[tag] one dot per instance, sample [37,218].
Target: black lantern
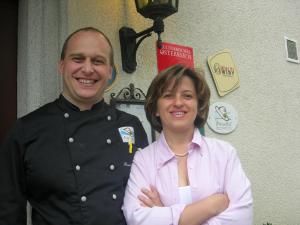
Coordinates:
[156,10]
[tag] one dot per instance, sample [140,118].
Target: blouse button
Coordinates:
[77,167]
[83,198]
[66,115]
[112,167]
[108,118]
[71,140]
[114,196]
[108,141]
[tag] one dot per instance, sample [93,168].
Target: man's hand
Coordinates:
[150,198]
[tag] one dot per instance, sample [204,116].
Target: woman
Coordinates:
[185,178]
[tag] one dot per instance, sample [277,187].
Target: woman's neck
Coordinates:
[179,141]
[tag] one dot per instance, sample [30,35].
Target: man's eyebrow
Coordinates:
[82,55]
[99,56]
[76,55]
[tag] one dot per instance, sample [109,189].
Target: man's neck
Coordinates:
[82,105]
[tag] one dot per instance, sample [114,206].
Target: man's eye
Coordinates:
[77,59]
[98,61]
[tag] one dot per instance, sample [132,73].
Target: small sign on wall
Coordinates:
[112,80]
[170,54]
[224,72]
[291,50]
[222,118]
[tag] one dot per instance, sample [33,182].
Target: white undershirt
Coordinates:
[185,195]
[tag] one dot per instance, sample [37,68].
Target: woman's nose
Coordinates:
[178,101]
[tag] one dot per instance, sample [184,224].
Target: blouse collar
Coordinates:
[165,153]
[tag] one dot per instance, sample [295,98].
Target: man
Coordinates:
[71,158]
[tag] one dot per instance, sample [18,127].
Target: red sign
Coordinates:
[171,54]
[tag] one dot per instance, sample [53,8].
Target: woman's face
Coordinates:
[177,108]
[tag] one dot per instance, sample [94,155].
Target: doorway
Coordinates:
[8,62]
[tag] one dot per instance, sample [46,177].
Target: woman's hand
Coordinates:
[150,198]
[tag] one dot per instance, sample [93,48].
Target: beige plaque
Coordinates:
[224,72]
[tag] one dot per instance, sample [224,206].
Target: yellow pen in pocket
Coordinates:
[130,146]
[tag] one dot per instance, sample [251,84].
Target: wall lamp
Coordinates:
[156,10]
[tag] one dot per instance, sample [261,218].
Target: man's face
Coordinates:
[86,68]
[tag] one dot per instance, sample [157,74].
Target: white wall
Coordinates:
[42,25]
[268,101]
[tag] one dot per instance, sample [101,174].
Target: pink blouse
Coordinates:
[213,167]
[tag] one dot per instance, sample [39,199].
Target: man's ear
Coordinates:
[61,67]
[111,70]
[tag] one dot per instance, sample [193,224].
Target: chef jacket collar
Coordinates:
[66,105]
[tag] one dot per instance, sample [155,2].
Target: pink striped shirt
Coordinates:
[213,167]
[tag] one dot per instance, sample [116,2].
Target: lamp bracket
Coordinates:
[129,46]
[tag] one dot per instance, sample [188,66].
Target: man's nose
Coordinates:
[87,67]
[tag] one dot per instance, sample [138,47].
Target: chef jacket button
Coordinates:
[114,196]
[108,118]
[71,140]
[77,167]
[83,198]
[108,141]
[66,115]
[112,167]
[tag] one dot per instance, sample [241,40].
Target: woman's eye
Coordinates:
[167,96]
[188,96]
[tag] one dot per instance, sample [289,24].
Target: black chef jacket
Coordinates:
[71,165]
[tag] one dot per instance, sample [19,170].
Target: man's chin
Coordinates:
[90,97]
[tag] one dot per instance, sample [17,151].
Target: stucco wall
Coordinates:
[268,134]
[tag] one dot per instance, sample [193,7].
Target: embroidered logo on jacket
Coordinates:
[127,164]
[127,134]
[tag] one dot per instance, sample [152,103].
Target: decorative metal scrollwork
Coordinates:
[128,95]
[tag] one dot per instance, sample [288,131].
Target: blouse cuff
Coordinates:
[176,212]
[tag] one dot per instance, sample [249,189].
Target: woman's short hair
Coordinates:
[163,80]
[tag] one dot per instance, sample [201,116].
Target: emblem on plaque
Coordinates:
[222,118]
